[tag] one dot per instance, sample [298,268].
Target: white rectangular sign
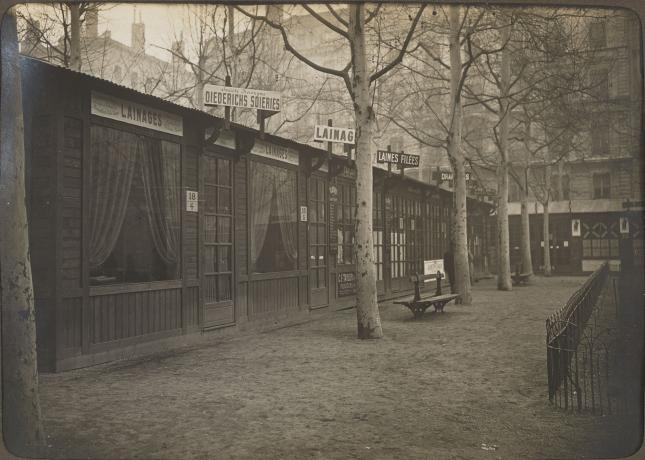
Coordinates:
[136,114]
[324,133]
[431,267]
[303,213]
[192,200]
[242,97]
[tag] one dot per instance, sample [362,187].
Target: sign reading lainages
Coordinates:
[397,158]
[275,152]
[324,133]
[136,114]
[246,98]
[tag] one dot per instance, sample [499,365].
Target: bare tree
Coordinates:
[22,425]
[358,81]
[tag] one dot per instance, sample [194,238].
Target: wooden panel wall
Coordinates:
[241,214]
[191,305]
[273,296]
[71,204]
[71,311]
[42,228]
[190,227]
[124,315]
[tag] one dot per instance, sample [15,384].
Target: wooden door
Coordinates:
[217,252]
[318,263]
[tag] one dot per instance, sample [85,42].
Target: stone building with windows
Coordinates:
[595,191]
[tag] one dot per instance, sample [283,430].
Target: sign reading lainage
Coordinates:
[242,97]
[136,114]
[324,133]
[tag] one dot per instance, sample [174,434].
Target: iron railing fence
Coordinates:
[580,347]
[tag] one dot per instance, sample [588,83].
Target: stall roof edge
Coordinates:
[267,136]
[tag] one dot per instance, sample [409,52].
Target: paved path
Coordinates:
[469,383]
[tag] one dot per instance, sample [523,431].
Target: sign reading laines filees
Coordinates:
[136,114]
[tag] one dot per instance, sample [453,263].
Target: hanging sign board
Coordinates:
[228,96]
[397,158]
[136,114]
[324,133]
[346,284]
[192,199]
[447,175]
[575,228]
[624,225]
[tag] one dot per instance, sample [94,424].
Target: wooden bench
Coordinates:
[420,303]
[520,278]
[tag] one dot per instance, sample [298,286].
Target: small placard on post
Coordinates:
[192,200]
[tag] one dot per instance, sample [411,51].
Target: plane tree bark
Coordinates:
[22,425]
[358,81]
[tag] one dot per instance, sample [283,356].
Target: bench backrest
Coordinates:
[419,278]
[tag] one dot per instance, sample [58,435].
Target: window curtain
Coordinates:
[112,165]
[286,197]
[160,175]
[262,186]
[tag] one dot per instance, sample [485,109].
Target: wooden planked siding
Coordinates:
[241,213]
[191,219]
[273,296]
[42,222]
[71,316]
[125,315]
[71,204]
[191,305]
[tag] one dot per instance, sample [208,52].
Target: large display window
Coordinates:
[134,212]
[274,218]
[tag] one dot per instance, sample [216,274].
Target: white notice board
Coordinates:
[431,267]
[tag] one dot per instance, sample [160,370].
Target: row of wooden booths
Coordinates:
[151,222]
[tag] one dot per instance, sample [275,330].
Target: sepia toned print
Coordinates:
[225,227]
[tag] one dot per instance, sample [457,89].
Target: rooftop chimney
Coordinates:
[92,23]
[138,35]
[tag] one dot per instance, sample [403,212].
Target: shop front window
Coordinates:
[134,225]
[274,220]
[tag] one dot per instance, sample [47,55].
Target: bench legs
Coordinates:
[438,306]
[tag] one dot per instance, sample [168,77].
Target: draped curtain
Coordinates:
[112,165]
[262,186]
[160,176]
[286,196]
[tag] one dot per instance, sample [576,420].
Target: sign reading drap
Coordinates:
[324,133]
[275,152]
[136,114]
[242,97]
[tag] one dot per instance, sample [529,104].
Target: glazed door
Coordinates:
[318,258]
[217,253]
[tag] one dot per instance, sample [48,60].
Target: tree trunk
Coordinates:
[23,432]
[75,37]
[547,239]
[525,243]
[458,162]
[503,247]
[367,312]
[232,51]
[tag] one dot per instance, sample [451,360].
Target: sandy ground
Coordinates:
[468,383]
